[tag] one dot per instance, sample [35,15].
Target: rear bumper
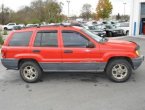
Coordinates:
[10,63]
[137,62]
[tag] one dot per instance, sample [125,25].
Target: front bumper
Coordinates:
[137,62]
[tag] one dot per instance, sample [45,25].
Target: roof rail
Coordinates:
[57,25]
[50,25]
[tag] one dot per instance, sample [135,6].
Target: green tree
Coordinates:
[86,11]
[118,17]
[24,15]
[104,9]
[1,39]
[52,11]
[93,16]
[126,17]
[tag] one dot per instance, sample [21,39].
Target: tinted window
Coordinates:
[92,28]
[20,39]
[142,8]
[74,39]
[46,39]
[11,24]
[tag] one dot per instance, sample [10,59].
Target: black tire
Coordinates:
[127,33]
[110,34]
[32,68]
[5,28]
[115,65]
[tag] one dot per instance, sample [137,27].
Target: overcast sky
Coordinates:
[75,5]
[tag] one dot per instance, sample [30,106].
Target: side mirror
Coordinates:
[90,45]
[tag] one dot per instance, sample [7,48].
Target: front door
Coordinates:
[76,56]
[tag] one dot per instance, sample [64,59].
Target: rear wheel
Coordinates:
[30,72]
[119,70]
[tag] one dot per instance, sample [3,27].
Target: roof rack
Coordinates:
[51,25]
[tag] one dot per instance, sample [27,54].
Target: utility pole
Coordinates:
[124,8]
[68,7]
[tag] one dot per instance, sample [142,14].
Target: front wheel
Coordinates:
[110,34]
[30,72]
[127,33]
[5,28]
[119,70]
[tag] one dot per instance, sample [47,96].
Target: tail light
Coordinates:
[3,52]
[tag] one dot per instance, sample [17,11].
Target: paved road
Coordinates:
[73,91]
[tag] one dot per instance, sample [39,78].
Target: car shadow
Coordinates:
[13,77]
[70,76]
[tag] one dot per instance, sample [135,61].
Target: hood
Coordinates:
[120,44]
[119,41]
[97,31]
[115,29]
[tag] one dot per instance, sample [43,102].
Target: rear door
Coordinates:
[46,49]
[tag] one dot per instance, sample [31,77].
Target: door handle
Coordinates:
[36,51]
[68,51]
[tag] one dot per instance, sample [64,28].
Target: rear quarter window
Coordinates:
[20,39]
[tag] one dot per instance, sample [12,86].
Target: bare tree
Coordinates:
[5,14]
[53,10]
[86,11]
[38,7]
[39,11]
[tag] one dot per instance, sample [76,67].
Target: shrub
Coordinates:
[5,32]
[1,39]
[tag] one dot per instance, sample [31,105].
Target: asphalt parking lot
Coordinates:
[73,91]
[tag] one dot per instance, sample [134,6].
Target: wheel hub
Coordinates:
[119,71]
[29,72]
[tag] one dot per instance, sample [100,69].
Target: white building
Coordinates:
[137,18]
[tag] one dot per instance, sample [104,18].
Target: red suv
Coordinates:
[67,48]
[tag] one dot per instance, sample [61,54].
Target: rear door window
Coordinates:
[20,39]
[46,39]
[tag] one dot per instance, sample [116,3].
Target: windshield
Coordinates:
[94,28]
[105,27]
[110,27]
[94,36]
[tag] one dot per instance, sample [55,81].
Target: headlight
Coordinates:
[137,52]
